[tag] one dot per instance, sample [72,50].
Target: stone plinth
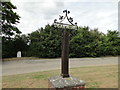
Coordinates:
[71,83]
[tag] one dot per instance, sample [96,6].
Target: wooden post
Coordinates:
[65,55]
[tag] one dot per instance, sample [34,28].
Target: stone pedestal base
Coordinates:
[60,83]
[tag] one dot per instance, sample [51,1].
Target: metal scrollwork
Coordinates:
[62,18]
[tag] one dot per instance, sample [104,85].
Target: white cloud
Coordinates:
[37,13]
[103,14]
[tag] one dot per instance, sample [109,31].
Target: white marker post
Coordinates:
[19,54]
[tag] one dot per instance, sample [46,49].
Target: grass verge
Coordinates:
[26,58]
[20,58]
[94,76]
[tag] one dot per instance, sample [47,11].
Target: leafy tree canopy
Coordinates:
[9,19]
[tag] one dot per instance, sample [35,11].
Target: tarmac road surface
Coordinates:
[27,66]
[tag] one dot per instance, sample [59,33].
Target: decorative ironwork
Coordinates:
[61,18]
[65,42]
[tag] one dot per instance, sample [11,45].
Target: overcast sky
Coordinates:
[93,13]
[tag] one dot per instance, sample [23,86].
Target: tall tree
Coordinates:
[46,42]
[9,19]
[112,43]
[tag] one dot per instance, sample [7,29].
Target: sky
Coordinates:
[93,13]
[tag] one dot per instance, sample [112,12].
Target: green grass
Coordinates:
[20,58]
[94,76]
[24,58]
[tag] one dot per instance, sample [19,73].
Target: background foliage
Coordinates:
[84,42]
[47,42]
[9,19]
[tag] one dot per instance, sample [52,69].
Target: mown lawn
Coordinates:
[20,58]
[94,76]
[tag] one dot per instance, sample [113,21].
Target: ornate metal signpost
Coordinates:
[65,80]
[65,42]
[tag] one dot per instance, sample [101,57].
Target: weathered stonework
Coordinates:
[58,82]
